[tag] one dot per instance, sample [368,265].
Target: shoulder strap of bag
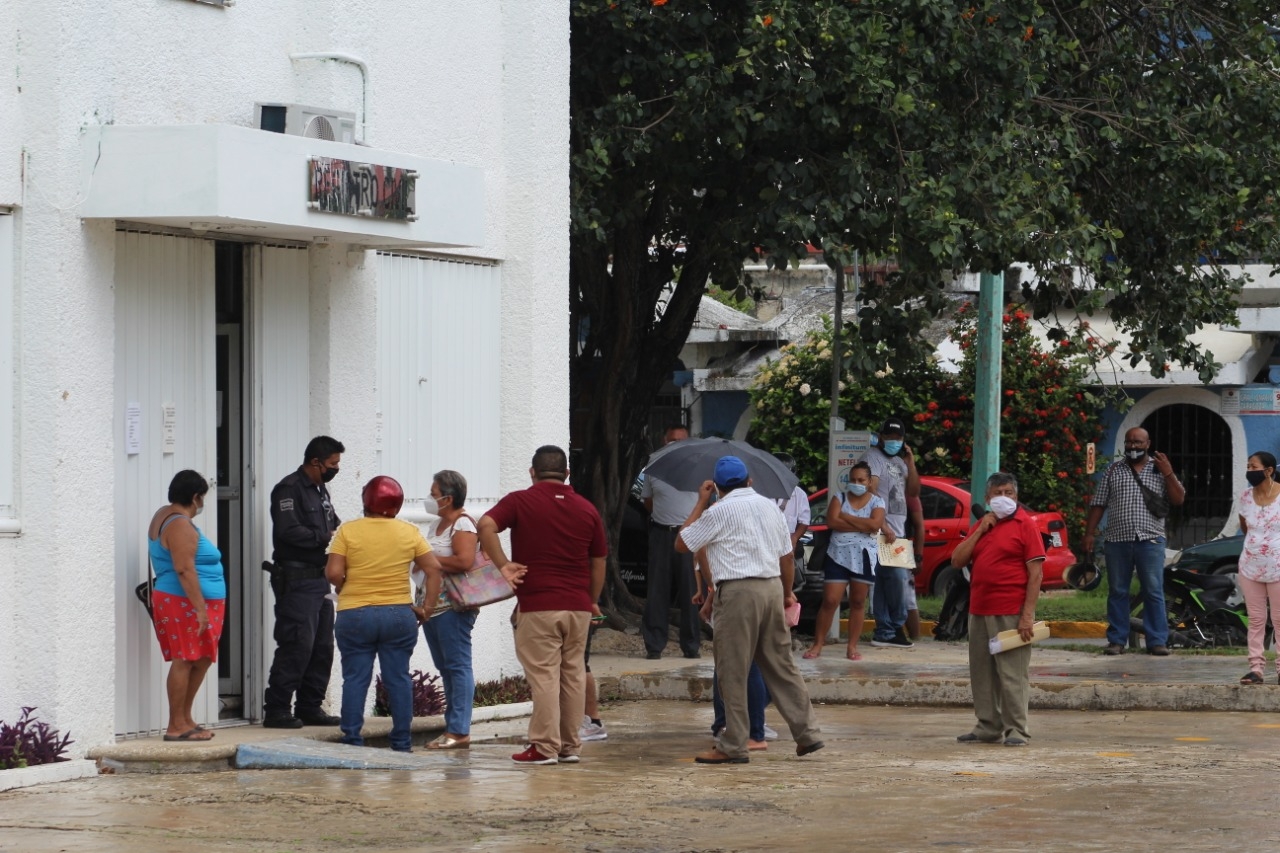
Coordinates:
[1149,495]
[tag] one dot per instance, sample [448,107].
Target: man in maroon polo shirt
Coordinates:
[557,536]
[1008,564]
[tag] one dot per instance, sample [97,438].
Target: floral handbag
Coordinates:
[484,583]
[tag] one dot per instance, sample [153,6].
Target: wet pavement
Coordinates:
[889,779]
[931,674]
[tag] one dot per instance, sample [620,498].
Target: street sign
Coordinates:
[843,449]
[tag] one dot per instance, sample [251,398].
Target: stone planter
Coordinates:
[46,774]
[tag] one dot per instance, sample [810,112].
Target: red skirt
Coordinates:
[177,627]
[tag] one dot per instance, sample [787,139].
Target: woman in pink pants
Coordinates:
[1260,558]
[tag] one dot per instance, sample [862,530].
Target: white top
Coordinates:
[796,510]
[846,547]
[441,541]
[670,505]
[1260,556]
[745,535]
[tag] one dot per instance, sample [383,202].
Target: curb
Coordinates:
[1057,630]
[1046,694]
[46,774]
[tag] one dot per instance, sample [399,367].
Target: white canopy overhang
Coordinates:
[254,183]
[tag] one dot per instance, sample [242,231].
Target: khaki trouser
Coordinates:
[750,626]
[551,645]
[1000,683]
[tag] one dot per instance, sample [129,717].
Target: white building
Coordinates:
[173,294]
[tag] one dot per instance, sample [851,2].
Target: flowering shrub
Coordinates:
[428,696]
[1048,413]
[29,742]
[793,405]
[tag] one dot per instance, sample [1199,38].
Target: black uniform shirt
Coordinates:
[302,521]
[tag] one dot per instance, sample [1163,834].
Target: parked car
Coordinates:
[947,519]
[1216,557]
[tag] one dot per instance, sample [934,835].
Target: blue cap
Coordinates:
[730,472]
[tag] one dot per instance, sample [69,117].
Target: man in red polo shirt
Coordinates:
[557,535]
[1008,564]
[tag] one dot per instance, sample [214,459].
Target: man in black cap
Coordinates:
[302,523]
[894,478]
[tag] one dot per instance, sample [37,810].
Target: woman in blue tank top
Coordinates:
[188,602]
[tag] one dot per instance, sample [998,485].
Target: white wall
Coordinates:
[483,83]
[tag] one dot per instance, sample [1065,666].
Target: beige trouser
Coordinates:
[1000,683]
[750,627]
[551,645]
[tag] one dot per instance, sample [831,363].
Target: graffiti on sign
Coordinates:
[361,189]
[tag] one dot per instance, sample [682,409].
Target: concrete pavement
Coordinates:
[932,674]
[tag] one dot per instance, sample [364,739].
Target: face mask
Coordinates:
[431,505]
[1134,455]
[200,508]
[329,474]
[1002,506]
[892,447]
[858,489]
[1255,478]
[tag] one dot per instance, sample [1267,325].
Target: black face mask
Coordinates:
[328,474]
[1255,478]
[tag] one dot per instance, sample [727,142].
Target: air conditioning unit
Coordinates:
[311,122]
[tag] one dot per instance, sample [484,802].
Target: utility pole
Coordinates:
[836,349]
[986,394]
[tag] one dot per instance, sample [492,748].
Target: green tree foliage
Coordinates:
[1048,412]
[1110,145]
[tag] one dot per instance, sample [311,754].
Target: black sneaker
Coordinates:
[319,718]
[282,722]
[898,641]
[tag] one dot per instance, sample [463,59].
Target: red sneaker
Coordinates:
[531,756]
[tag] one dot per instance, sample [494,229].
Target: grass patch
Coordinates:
[1070,606]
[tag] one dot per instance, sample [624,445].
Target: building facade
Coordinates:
[182,288]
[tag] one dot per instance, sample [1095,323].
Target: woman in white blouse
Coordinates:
[1259,575]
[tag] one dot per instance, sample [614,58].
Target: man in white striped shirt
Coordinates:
[750,553]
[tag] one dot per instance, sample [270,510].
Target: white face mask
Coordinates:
[1002,506]
[431,505]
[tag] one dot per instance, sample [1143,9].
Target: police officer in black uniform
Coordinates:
[302,523]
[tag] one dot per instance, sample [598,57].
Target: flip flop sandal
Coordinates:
[1252,678]
[190,736]
[450,742]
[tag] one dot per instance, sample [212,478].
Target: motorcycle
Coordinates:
[1203,611]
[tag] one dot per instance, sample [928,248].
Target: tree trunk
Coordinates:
[627,355]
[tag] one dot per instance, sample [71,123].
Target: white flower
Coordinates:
[842,386]
[880,374]
[805,389]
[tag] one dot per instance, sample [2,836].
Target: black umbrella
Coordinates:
[686,465]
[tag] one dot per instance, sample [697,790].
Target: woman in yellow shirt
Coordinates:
[369,564]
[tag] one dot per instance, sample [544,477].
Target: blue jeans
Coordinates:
[757,699]
[449,639]
[1148,559]
[889,602]
[389,633]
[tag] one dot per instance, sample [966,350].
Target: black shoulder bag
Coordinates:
[1157,504]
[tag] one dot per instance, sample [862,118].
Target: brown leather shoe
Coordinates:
[715,756]
[1159,651]
[1113,649]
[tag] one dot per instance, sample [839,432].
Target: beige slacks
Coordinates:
[551,645]
[750,627]
[1001,684]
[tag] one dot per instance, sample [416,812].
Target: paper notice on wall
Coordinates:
[168,427]
[1229,402]
[133,429]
